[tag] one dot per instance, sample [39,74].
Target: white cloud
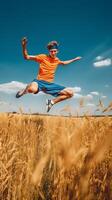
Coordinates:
[77,96]
[103,97]
[102,63]
[95,93]
[88,97]
[12,87]
[84,97]
[98,58]
[74,89]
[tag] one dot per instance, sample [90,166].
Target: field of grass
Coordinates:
[55,158]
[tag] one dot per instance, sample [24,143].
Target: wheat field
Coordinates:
[55,158]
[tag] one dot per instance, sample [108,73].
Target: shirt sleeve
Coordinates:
[60,62]
[39,58]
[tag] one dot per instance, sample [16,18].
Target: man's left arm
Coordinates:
[70,61]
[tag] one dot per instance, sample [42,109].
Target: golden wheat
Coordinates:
[55,158]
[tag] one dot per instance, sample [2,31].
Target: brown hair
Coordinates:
[51,44]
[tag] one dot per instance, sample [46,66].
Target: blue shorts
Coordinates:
[49,88]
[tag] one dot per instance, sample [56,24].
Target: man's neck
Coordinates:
[51,57]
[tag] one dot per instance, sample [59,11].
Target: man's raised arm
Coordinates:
[25,53]
[70,61]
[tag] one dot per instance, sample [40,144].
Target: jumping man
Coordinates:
[44,80]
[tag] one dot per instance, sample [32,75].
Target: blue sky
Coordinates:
[83,28]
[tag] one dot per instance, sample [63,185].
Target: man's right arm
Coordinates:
[25,53]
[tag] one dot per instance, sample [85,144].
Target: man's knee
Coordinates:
[32,88]
[67,92]
[70,93]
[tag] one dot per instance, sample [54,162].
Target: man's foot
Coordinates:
[49,104]
[20,93]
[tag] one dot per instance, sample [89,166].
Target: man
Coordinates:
[45,77]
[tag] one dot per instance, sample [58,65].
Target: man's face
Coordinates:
[53,52]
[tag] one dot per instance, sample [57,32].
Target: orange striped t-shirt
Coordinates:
[47,67]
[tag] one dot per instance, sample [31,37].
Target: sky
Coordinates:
[82,28]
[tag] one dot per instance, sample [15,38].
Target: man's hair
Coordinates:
[52,44]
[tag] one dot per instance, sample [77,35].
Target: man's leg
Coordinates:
[31,88]
[64,94]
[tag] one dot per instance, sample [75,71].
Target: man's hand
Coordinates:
[24,49]
[24,41]
[78,58]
